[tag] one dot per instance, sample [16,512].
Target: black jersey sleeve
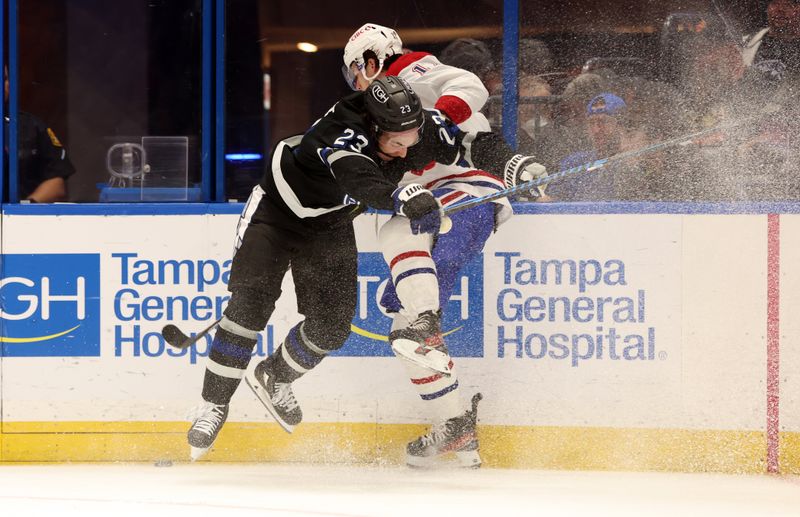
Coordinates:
[443,142]
[360,178]
[487,151]
[340,143]
[439,142]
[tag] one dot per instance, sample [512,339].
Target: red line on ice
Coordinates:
[773,342]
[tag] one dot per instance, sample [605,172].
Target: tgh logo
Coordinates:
[380,94]
[50,305]
[462,322]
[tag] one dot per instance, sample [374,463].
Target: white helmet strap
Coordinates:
[373,76]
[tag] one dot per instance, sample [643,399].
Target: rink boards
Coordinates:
[654,337]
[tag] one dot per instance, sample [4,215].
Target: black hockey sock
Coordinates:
[227,362]
[296,356]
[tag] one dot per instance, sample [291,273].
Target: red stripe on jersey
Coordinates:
[420,172]
[408,254]
[432,378]
[454,107]
[427,380]
[452,197]
[468,174]
[404,61]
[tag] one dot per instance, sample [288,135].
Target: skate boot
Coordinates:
[276,396]
[207,420]
[422,343]
[456,435]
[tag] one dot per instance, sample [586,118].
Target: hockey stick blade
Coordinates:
[175,336]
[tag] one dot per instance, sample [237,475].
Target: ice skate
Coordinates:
[456,435]
[207,419]
[422,343]
[277,397]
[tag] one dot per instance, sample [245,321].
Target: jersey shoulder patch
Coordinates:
[407,62]
[53,138]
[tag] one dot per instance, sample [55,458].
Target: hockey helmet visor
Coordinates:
[351,72]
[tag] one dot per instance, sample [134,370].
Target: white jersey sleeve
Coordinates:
[460,95]
[457,93]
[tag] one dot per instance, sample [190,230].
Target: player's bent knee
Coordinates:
[248,309]
[398,229]
[337,335]
[327,334]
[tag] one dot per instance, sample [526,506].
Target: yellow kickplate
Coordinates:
[579,448]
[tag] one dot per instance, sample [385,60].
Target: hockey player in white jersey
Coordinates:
[424,268]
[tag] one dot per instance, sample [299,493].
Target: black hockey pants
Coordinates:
[324,268]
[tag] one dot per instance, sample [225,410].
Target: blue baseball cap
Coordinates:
[606,104]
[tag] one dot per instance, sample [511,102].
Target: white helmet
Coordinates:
[383,41]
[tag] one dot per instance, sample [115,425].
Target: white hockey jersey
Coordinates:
[459,94]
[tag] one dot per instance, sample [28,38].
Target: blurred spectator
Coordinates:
[579,92]
[660,112]
[699,59]
[767,161]
[764,152]
[43,165]
[535,130]
[608,126]
[534,57]
[746,163]
[609,133]
[656,108]
[474,56]
[780,40]
[757,161]
[710,85]
[534,117]
[715,69]
[684,37]
[568,131]
[468,54]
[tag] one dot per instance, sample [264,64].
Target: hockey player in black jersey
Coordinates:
[300,216]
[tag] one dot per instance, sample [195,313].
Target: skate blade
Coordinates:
[462,460]
[433,360]
[197,452]
[261,395]
[421,462]
[468,459]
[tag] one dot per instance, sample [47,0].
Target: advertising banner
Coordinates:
[567,320]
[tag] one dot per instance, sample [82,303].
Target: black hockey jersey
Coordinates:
[326,176]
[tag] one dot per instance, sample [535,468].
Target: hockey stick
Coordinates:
[175,336]
[588,167]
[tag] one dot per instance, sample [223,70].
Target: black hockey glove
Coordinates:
[418,204]
[522,169]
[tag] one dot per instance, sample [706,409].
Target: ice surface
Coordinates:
[305,490]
